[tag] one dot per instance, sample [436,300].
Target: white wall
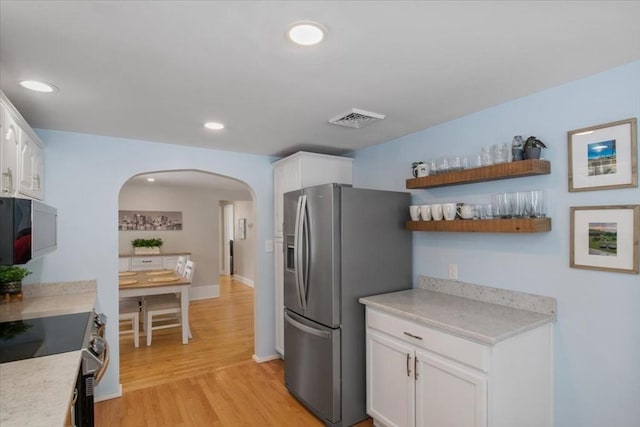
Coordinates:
[200,234]
[243,253]
[597,334]
[83,177]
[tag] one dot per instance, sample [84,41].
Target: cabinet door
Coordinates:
[449,395]
[278,258]
[9,147]
[30,168]
[278,191]
[390,380]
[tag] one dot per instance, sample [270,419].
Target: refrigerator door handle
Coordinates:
[297,254]
[306,258]
[305,328]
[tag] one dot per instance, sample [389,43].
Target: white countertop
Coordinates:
[38,391]
[481,321]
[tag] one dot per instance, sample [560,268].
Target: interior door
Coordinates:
[228,236]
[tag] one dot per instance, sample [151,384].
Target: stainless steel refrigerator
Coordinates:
[341,243]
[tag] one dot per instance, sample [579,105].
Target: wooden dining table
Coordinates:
[158,282]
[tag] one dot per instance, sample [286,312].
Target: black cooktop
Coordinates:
[25,339]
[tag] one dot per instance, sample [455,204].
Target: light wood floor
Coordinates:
[212,381]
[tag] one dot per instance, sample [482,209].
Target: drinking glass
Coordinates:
[520,204]
[486,159]
[443,165]
[487,211]
[537,201]
[499,202]
[455,163]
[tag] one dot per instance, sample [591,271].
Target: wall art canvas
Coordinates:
[149,221]
[603,157]
[605,238]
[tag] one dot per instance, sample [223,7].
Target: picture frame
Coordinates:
[242,228]
[603,157]
[137,220]
[605,238]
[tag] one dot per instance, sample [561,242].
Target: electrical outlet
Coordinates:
[453,271]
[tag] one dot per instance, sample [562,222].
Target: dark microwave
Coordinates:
[28,229]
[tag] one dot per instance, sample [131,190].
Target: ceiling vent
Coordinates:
[356,118]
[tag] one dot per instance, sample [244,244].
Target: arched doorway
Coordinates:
[199,197]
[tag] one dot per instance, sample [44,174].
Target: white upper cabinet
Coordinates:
[21,155]
[302,170]
[31,167]
[9,148]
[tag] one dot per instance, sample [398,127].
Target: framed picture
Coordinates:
[603,157]
[149,221]
[242,228]
[605,238]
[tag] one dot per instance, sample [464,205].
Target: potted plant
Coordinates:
[11,279]
[146,246]
[533,148]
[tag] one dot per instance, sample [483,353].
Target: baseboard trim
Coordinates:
[243,280]
[109,396]
[204,292]
[265,359]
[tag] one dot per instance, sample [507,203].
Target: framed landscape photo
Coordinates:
[605,238]
[603,157]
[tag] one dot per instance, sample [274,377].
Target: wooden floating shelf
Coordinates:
[513,225]
[485,173]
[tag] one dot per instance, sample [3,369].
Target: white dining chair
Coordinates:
[189,270]
[180,265]
[130,314]
[164,311]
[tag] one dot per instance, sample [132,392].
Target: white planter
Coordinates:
[146,251]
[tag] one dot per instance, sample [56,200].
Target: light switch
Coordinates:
[453,271]
[268,245]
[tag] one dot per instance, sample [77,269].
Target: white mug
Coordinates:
[449,211]
[425,212]
[436,212]
[414,211]
[466,211]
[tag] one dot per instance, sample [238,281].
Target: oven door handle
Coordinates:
[105,363]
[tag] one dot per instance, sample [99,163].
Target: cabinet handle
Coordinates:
[9,175]
[415,368]
[413,336]
[408,365]
[36,183]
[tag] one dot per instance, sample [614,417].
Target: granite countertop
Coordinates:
[479,313]
[38,391]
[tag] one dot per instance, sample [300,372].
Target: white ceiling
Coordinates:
[156,70]
[192,178]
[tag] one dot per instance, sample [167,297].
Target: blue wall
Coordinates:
[83,177]
[597,335]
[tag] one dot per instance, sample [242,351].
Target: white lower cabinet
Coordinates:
[424,377]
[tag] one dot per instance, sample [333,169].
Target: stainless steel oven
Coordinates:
[44,336]
[95,361]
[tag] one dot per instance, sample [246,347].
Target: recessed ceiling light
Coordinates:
[306,33]
[214,125]
[151,179]
[38,86]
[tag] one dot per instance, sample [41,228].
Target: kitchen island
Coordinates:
[39,391]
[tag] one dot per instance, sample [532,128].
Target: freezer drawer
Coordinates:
[312,366]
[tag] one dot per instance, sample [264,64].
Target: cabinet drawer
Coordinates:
[456,348]
[146,263]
